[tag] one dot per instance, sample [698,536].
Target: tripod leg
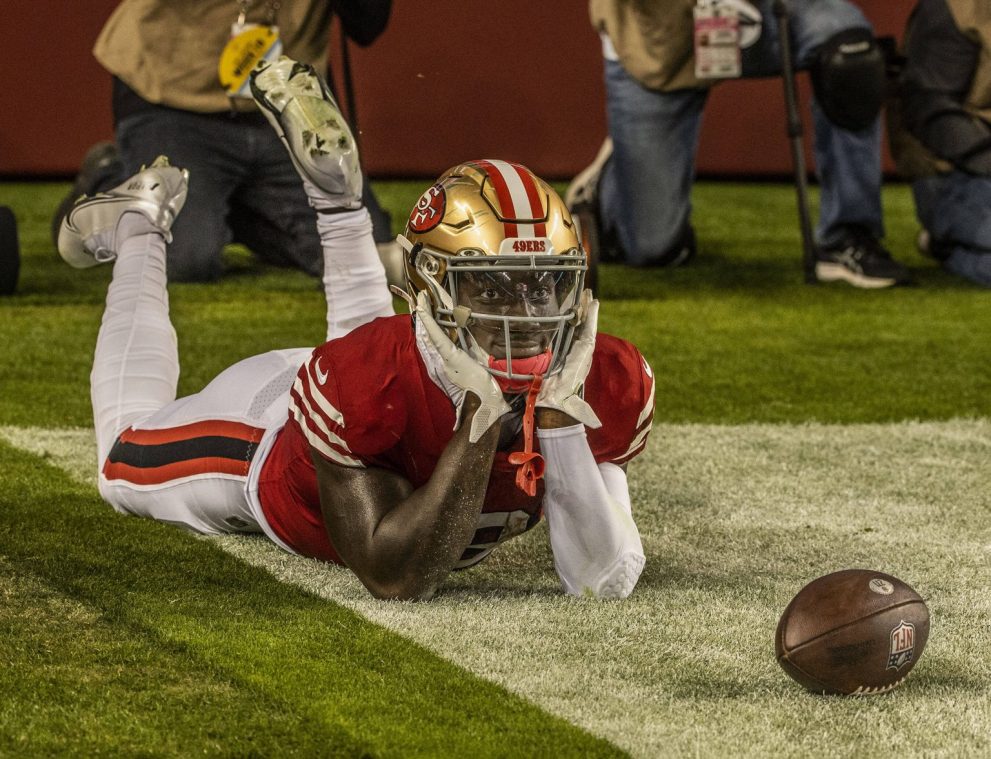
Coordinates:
[781,11]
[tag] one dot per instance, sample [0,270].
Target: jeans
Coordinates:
[645,188]
[956,210]
[243,188]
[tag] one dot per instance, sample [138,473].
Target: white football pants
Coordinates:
[187,461]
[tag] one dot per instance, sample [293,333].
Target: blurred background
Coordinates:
[448,80]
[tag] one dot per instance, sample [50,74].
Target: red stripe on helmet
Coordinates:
[506,206]
[533,195]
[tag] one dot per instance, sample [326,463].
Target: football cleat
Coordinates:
[88,235]
[299,106]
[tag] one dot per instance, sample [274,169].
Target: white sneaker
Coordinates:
[299,106]
[584,188]
[88,235]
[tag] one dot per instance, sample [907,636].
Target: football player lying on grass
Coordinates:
[404,447]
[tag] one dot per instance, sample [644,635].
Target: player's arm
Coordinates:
[595,542]
[401,542]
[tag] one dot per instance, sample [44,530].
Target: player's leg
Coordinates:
[136,365]
[183,461]
[645,189]
[303,113]
[189,463]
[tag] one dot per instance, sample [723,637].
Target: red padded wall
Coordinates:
[449,80]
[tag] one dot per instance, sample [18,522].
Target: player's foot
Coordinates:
[89,231]
[861,260]
[299,106]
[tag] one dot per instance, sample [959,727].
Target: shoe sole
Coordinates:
[325,126]
[827,272]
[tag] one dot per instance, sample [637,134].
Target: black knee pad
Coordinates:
[848,76]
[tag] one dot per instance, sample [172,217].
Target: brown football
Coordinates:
[854,632]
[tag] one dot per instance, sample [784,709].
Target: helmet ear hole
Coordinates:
[428,264]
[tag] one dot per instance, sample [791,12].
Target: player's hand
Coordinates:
[464,371]
[562,392]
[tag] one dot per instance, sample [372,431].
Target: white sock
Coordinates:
[323,201]
[353,276]
[136,363]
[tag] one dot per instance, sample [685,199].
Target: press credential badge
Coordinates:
[717,40]
[249,43]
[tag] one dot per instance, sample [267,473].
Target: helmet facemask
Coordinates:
[514,313]
[500,257]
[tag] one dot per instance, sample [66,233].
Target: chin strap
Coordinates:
[531,464]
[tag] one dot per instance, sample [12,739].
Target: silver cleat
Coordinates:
[298,104]
[88,235]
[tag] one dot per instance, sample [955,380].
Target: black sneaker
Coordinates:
[101,169]
[861,260]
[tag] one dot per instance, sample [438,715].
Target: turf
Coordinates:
[176,645]
[735,520]
[734,338]
[800,430]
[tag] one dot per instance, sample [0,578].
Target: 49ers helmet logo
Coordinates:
[429,209]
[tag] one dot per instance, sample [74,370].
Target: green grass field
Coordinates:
[798,430]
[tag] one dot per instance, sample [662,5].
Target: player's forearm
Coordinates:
[596,544]
[429,530]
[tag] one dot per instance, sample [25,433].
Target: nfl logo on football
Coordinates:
[902,645]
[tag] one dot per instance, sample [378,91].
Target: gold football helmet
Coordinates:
[498,254]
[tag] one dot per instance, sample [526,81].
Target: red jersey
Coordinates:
[366,400]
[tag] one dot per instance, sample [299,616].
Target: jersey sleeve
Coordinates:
[620,389]
[344,412]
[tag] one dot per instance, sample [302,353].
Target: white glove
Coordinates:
[562,391]
[462,370]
